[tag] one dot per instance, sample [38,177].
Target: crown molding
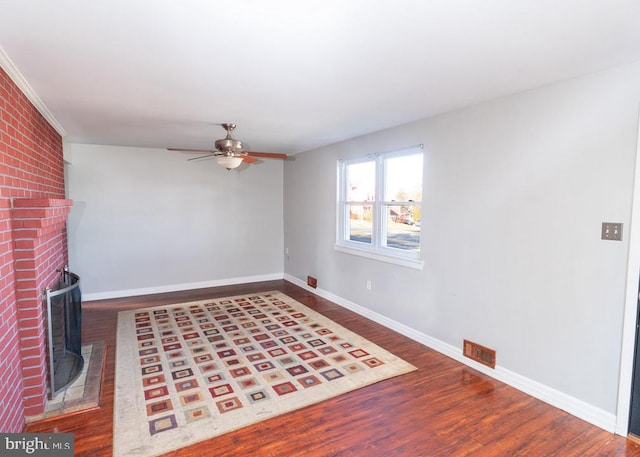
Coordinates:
[27,90]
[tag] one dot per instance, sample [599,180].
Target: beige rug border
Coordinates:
[125,434]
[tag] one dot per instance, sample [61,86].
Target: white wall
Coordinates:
[148,220]
[515,191]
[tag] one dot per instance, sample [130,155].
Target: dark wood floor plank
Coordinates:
[443,409]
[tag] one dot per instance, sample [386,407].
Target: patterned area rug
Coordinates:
[193,371]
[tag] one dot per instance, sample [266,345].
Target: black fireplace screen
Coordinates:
[64,326]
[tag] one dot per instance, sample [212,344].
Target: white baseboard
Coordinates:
[572,405]
[179,287]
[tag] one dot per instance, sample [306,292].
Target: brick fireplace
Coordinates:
[39,235]
[33,245]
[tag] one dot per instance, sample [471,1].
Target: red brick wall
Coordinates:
[11,390]
[31,167]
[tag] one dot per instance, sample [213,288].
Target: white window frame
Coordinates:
[376,250]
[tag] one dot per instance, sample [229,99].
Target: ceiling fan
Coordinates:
[229,152]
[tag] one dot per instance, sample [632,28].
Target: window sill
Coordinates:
[416,264]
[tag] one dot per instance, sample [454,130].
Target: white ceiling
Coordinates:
[295,74]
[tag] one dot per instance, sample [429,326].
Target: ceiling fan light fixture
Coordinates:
[229,162]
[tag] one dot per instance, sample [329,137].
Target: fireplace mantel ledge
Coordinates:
[41,202]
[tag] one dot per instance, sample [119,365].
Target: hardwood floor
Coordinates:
[443,409]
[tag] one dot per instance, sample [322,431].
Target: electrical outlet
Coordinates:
[368,284]
[612,231]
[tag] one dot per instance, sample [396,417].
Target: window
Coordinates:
[379,208]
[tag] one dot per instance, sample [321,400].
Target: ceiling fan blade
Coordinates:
[208,156]
[268,155]
[249,159]
[212,151]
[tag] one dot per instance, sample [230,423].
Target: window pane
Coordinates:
[360,223]
[383,217]
[404,178]
[403,227]
[361,178]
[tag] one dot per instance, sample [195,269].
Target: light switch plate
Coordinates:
[612,231]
